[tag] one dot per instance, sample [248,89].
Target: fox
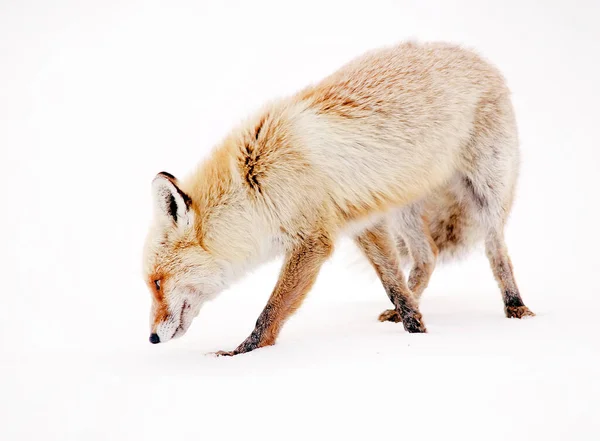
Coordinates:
[411,150]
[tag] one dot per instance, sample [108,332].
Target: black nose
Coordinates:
[154,339]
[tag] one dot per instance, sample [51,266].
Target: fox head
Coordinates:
[179,272]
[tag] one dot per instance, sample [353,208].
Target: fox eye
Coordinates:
[157,284]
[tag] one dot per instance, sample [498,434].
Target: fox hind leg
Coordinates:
[378,245]
[415,240]
[503,272]
[488,188]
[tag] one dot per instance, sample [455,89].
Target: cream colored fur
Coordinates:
[421,135]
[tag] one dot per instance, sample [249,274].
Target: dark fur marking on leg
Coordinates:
[411,317]
[254,339]
[512,299]
[414,324]
[479,200]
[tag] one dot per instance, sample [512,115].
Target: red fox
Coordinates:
[412,150]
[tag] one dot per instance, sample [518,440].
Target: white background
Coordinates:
[96,97]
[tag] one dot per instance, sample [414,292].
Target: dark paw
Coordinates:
[414,324]
[390,315]
[247,346]
[224,353]
[518,312]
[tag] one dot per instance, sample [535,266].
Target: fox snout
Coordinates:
[176,322]
[175,325]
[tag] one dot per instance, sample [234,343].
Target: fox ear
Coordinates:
[170,202]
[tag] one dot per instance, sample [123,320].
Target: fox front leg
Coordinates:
[298,274]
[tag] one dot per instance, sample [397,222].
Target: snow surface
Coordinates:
[95,98]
